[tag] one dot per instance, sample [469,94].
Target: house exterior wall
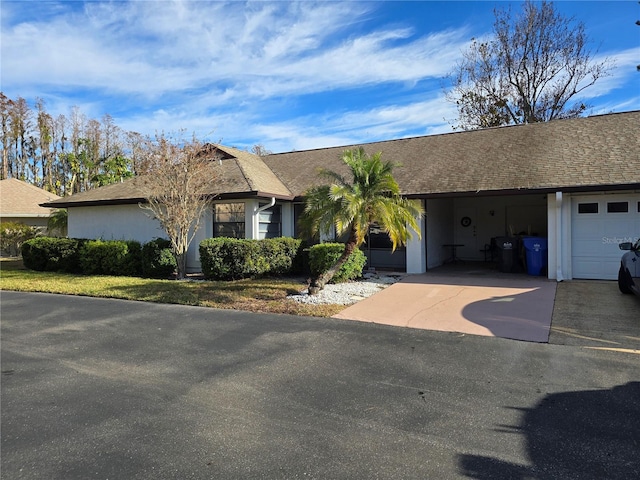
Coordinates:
[116,222]
[130,222]
[31,220]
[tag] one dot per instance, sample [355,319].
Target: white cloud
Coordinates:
[263,50]
[230,70]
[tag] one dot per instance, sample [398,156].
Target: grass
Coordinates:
[266,295]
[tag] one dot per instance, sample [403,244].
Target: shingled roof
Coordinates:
[594,152]
[241,174]
[20,199]
[600,152]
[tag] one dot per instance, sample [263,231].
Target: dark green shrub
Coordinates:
[157,259]
[324,255]
[282,255]
[211,261]
[52,254]
[231,258]
[111,257]
[13,235]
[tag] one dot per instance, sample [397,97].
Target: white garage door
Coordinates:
[598,224]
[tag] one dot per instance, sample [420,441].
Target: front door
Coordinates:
[466,233]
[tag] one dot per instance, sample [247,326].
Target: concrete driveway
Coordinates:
[97,388]
[594,314]
[466,299]
[474,299]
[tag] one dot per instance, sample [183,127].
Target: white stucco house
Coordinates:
[575,182]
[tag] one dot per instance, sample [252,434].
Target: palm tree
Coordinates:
[57,223]
[372,196]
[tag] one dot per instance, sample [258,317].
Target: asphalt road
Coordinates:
[109,389]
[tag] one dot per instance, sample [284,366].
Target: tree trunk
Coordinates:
[321,280]
[181,263]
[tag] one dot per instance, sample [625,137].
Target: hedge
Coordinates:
[50,254]
[111,257]
[324,255]
[74,255]
[157,259]
[225,258]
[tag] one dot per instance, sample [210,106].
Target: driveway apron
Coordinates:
[517,307]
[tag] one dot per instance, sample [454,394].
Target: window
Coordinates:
[588,207]
[377,238]
[617,207]
[298,210]
[228,220]
[270,222]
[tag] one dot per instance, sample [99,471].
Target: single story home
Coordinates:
[575,182]
[20,203]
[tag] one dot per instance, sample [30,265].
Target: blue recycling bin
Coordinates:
[536,249]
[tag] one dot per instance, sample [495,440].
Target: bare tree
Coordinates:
[260,150]
[176,184]
[530,71]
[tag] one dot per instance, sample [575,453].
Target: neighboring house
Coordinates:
[575,182]
[20,202]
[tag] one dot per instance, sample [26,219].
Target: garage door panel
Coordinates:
[595,236]
[587,267]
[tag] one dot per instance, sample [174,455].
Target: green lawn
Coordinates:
[254,295]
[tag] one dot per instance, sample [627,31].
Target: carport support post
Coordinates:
[558,229]
[416,250]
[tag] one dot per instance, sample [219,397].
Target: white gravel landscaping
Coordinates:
[349,292]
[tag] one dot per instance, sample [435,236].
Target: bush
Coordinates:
[13,235]
[284,255]
[157,259]
[111,257]
[231,258]
[52,254]
[324,255]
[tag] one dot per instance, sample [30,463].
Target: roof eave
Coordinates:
[527,191]
[93,203]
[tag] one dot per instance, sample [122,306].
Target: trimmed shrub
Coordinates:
[157,259]
[283,255]
[13,235]
[225,258]
[52,254]
[111,257]
[231,258]
[324,255]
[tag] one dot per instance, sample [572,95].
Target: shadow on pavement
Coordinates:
[573,435]
[519,316]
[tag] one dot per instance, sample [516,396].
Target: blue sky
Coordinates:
[289,76]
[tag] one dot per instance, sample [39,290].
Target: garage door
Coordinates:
[598,224]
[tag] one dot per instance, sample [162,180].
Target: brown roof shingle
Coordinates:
[240,173]
[20,199]
[594,152]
